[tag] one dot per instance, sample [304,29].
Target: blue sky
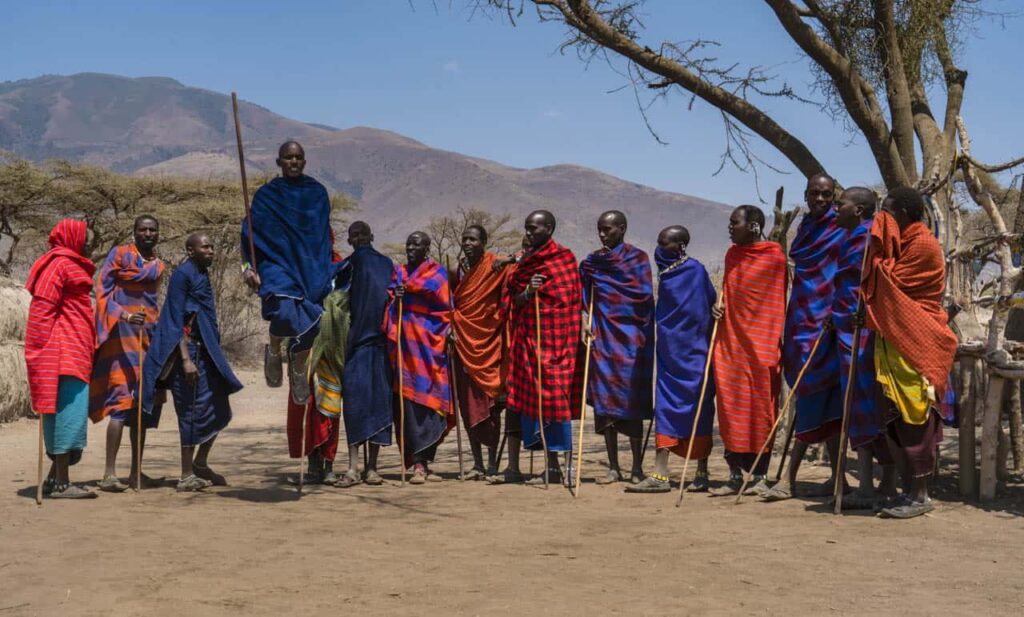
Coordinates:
[481,87]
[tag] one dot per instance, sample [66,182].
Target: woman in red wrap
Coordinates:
[60,337]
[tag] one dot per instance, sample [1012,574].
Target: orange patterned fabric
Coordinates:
[479,330]
[903,282]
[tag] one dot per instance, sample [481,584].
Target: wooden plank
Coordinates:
[968,453]
[990,437]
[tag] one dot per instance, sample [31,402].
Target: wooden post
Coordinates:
[990,437]
[1016,437]
[968,403]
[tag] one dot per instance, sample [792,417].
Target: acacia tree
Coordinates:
[887,68]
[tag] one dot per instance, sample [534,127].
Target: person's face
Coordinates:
[473,245]
[416,248]
[147,234]
[201,251]
[848,212]
[670,244]
[292,161]
[611,232]
[739,231]
[889,205]
[359,237]
[819,195]
[537,231]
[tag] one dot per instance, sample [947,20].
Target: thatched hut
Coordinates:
[14,400]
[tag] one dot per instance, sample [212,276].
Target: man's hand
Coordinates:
[586,332]
[717,311]
[252,279]
[191,372]
[535,283]
[400,291]
[827,324]
[136,319]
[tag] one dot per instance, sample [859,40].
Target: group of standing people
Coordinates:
[374,344]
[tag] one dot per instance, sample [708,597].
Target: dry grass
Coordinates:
[14,400]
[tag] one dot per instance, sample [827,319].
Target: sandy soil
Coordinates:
[471,549]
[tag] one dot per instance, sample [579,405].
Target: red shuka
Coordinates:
[61,332]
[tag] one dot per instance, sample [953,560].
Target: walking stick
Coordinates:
[401,396]
[540,390]
[700,403]
[785,408]
[138,419]
[501,450]
[245,183]
[39,470]
[305,418]
[851,374]
[453,389]
[583,403]
[785,449]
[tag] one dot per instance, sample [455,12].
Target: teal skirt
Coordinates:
[65,431]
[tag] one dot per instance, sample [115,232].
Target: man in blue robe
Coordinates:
[185,356]
[367,393]
[291,230]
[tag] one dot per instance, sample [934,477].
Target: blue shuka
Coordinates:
[292,228]
[367,392]
[189,311]
[622,353]
[684,320]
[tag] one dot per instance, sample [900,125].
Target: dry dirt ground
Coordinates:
[455,548]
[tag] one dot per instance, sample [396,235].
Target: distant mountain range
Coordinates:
[156,125]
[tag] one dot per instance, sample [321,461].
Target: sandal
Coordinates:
[508,477]
[613,476]
[554,477]
[71,491]
[348,479]
[273,372]
[419,476]
[473,475]
[651,484]
[373,478]
[209,475]
[434,477]
[731,487]
[780,492]
[701,484]
[908,510]
[758,488]
[192,484]
[111,484]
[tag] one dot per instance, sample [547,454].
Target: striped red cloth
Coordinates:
[904,279]
[747,358]
[60,335]
[560,307]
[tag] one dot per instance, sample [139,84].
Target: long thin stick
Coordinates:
[245,183]
[540,389]
[583,403]
[837,492]
[138,418]
[782,413]
[305,416]
[39,470]
[401,396]
[453,389]
[700,404]
[501,450]
[785,448]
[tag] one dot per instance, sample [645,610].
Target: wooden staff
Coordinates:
[700,403]
[39,471]
[138,418]
[245,183]
[851,374]
[453,389]
[540,391]
[647,440]
[782,413]
[401,396]
[583,403]
[305,418]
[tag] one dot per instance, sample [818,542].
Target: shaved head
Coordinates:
[614,217]
[543,216]
[419,236]
[862,196]
[196,239]
[677,233]
[290,145]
